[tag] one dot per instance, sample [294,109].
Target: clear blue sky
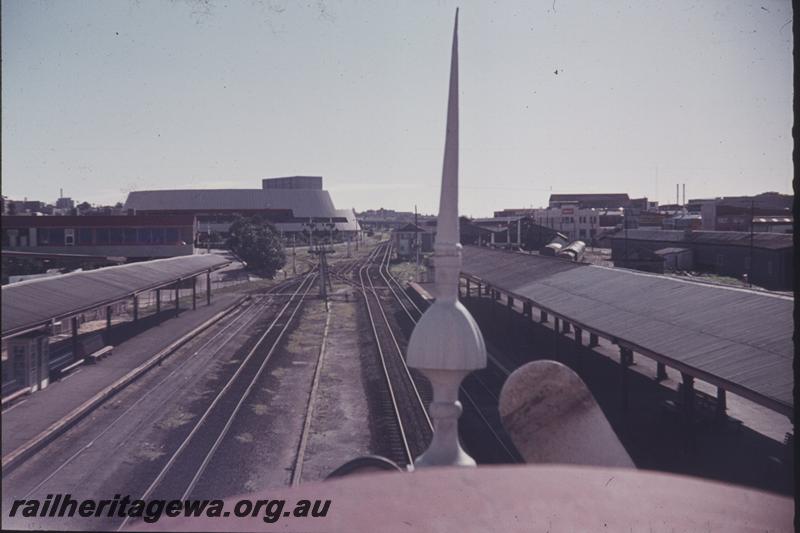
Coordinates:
[102,97]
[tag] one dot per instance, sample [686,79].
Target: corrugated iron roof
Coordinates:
[671,250]
[589,196]
[736,338]
[774,241]
[28,304]
[351,224]
[304,203]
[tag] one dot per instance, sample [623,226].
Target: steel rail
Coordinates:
[253,314]
[401,427]
[244,396]
[399,351]
[241,318]
[305,285]
[470,399]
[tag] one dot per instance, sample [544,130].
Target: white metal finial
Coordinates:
[446,343]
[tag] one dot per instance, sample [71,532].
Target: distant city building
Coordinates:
[311,183]
[389,218]
[65,203]
[683,221]
[766,258]
[289,203]
[133,237]
[26,207]
[737,213]
[596,201]
[575,222]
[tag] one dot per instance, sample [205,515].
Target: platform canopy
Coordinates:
[737,339]
[28,305]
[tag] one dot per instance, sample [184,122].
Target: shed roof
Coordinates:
[773,241]
[588,196]
[351,224]
[304,203]
[671,250]
[735,338]
[409,228]
[30,304]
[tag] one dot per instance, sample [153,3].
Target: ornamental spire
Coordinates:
[446,344]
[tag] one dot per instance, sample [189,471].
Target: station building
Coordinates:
[133,237]
[412,237]
[287,202]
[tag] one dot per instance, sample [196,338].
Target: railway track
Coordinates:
[99,441]
[479,391]
[153,400]
[412,429]
[186,465]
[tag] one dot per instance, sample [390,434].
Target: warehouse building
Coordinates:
[765,258]
[289,203]
[741,213]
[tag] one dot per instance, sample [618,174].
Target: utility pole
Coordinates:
[416,246]
[319,250]
[750,261]
[625,222]
[294,266]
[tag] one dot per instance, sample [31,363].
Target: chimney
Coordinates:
[684,195]
[677,194]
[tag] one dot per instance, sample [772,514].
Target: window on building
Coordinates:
[720,260]
[84,236]
[186,235]
[171,235]
[157,235]
[101,235]
[582,233]
[69,237]
[143,236]
[116,236]
[130,235]
[56,236]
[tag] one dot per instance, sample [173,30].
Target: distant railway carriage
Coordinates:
[573,252]
[551,249]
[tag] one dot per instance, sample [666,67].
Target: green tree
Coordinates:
[256,242]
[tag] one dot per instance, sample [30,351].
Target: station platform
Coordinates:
[39,413]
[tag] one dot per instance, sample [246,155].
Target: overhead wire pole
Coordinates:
[750,261]
[416,245]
